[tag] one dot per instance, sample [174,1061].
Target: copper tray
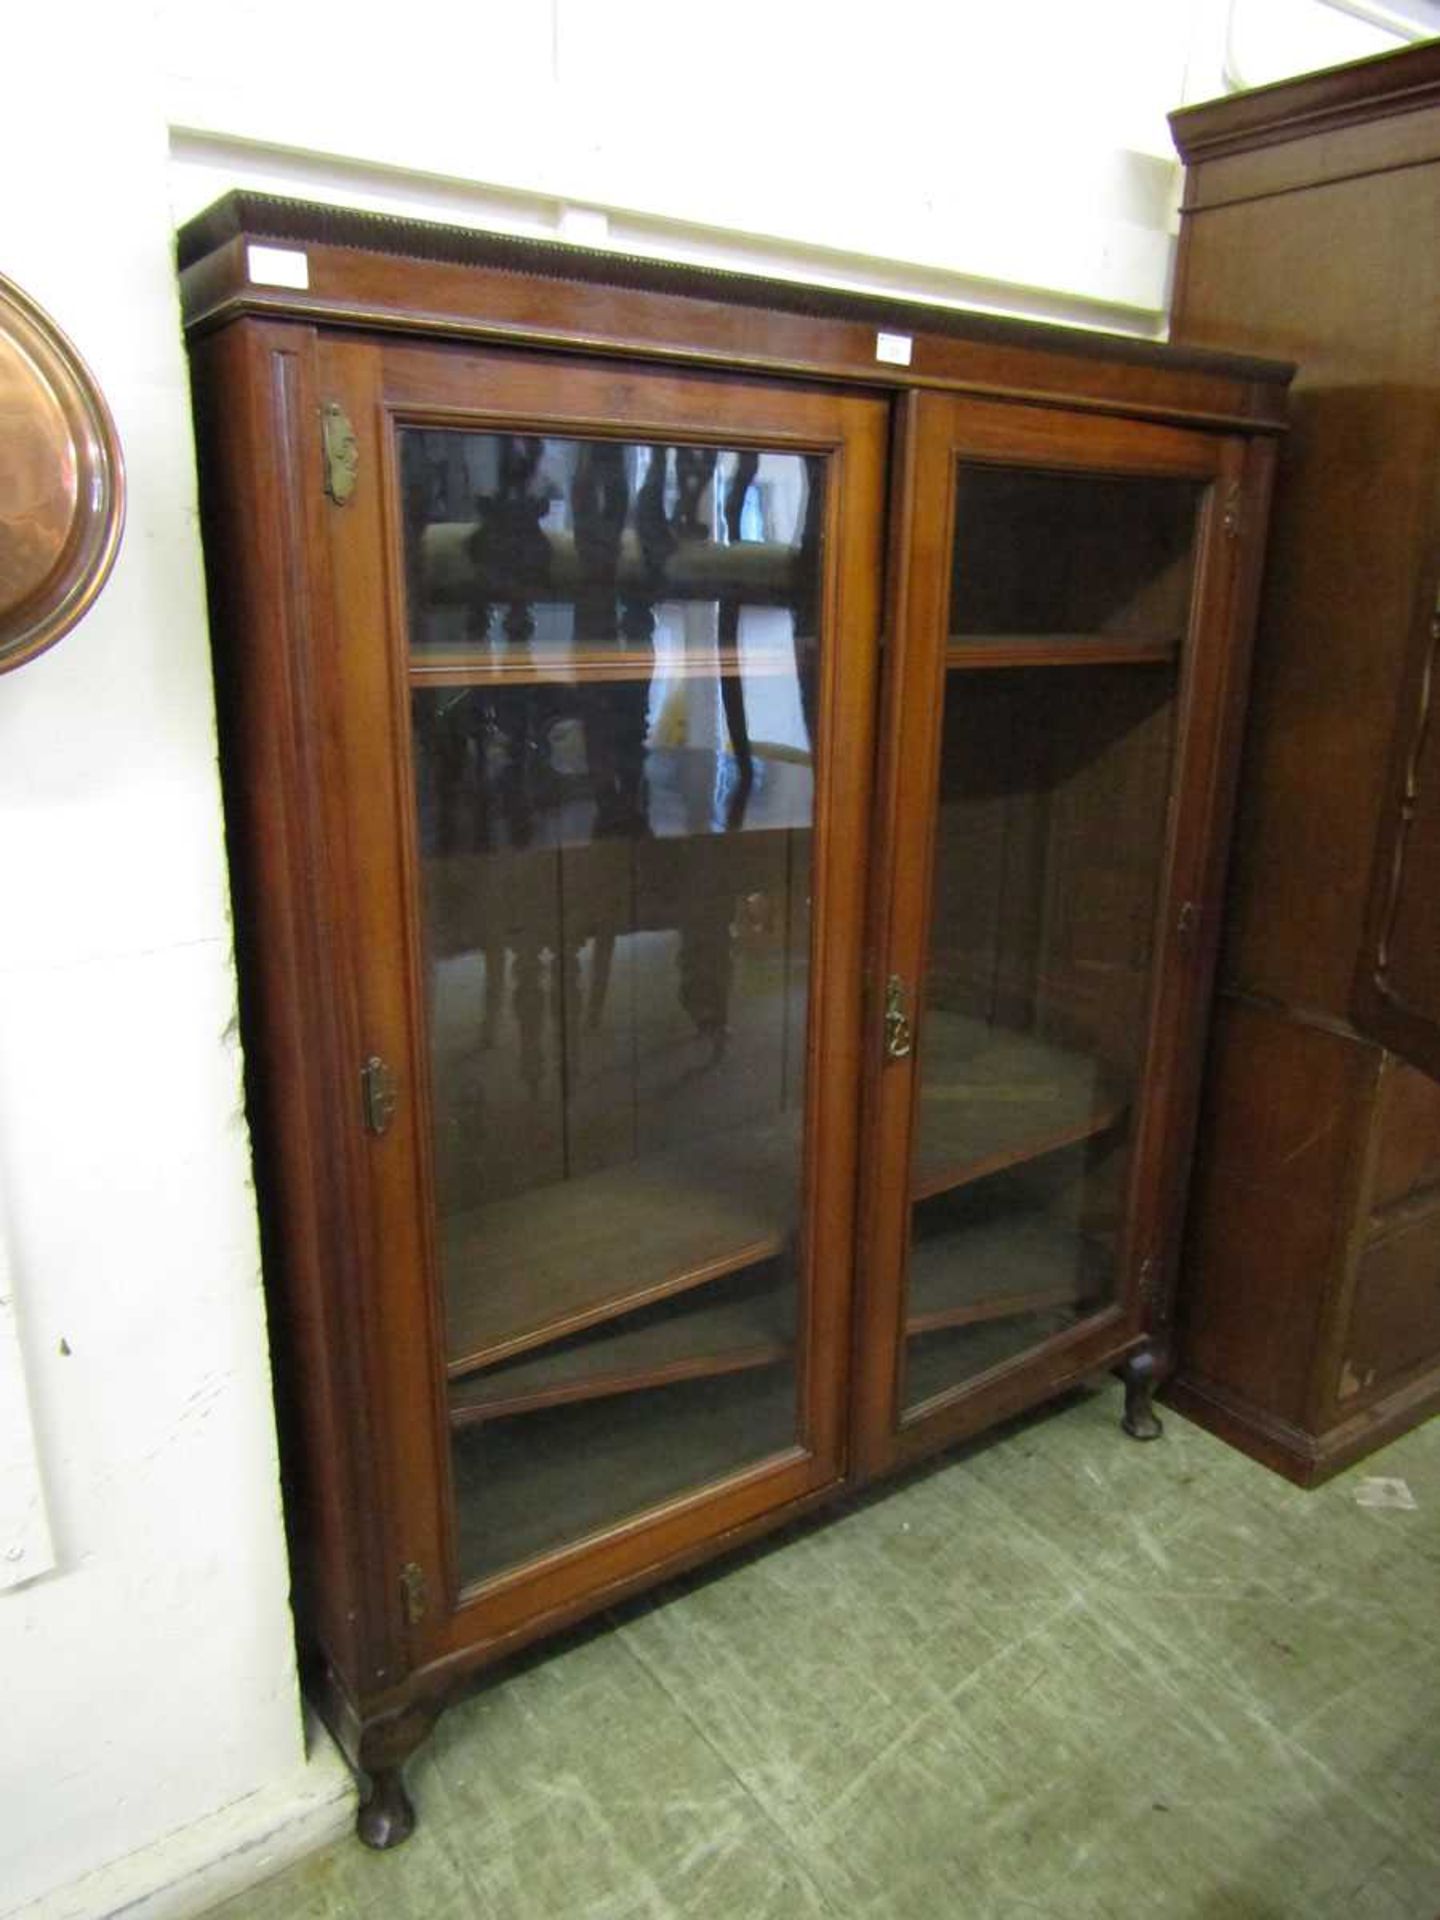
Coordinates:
[62,482]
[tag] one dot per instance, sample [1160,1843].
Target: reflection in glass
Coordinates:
[1054,785]
[612,664]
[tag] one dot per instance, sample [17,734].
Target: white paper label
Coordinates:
[893,348]
[277,267]
[1382,1492]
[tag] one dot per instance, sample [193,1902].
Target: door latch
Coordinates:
[899,1039]
[378,1094]
[414,1593]
[340,450]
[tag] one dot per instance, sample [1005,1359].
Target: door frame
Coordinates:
[934,433]
[382,387]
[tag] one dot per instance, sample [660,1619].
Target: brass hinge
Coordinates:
[341,452]
[414,1593]
[1231,520]
[378,1094]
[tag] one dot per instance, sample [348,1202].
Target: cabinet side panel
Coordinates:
[248,387]
[1397,987]
[1265,1246]
[1407,1157]
[1393,1328]
[1336,278]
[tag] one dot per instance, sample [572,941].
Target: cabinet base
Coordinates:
[1308,1459]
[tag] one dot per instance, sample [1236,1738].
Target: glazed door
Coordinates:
[1056,695]
[611,641]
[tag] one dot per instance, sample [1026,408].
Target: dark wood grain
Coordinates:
[975,652]
[1396,998]
[1302,203]
[704,1370]
[412,277]
[270,612]
[1380,92]
[1407,1135]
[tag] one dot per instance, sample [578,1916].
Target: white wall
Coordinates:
[149,1677]
[1011,155]
[1001,154]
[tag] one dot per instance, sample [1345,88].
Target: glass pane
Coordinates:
[1075,560]
[612,664]
[1053,793]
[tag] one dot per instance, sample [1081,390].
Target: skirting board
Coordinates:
[191,1871]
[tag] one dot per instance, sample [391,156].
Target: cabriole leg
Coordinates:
[386,1816]
[1140,1419]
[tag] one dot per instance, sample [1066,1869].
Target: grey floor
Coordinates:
[1059,1674]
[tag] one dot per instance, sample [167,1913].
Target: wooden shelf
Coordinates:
[991,1098]
[1040,1279]
[950,1359]
[998,1269]
[969,651]
[681,1341]
[537,664]
[551,1479]
[526,1271]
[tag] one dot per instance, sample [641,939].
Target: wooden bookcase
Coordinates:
[1311,1307]
[726,832]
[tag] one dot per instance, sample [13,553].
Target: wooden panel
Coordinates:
[976,651]
[1280,1130]
[1365,116]
[1351,153]
[1409,962]
[275,642]
[1397,983]
[450,281]
[1341,581]
[1302,207]
[1394,1325]
[1407,1144]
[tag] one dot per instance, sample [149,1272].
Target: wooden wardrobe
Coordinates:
[1311,1297]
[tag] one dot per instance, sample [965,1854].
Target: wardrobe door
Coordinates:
[1054,705]
[612,637]
[1396,998]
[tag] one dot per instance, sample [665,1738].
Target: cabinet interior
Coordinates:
[612,661]
[1069,604]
